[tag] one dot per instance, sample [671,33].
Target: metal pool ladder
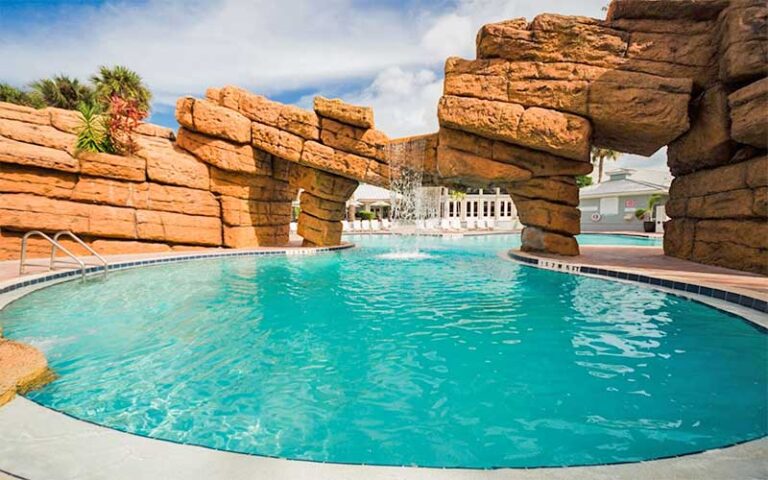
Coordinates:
[55,247]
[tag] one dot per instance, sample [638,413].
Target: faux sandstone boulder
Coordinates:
[744,41]
[277,142]
[369,142]
[549,216]
[11,111]
[256,236]
[322,184]
[550,38]
[749,114]
[260,109]
[322,208]
[207,117]
[537,128]
[22,153]
[708,143]
[455,166]
[113,166]
[20,179]
[555,189]
[343,112]
[33,212]
[538,240]
[225,155]
[43,135]
[638,113]
[178,228]
[169,164]
[665,9]
[318,232]
[22,368]
[538,163]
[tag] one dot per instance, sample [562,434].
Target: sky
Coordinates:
[388,54]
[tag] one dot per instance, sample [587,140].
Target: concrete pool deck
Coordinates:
[39,443]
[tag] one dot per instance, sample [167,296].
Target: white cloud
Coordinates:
[404,101]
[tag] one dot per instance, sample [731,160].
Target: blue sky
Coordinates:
[385,53]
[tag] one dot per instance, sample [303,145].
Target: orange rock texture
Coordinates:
[522,115]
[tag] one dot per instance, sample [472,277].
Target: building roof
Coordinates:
[626,181]
[371,193]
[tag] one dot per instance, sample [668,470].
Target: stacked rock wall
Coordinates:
[154,201]
[719,197]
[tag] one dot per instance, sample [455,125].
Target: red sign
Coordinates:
[629,203]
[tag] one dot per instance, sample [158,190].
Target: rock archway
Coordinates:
[522,115]
[525,113]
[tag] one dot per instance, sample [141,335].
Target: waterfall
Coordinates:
[415,208]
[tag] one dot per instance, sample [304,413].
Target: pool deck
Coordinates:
[39,443]
[651,261]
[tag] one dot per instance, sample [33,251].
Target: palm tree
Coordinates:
[62,91]
[122,82]
[11,94]
[599,156]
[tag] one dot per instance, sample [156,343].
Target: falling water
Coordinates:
[414,206]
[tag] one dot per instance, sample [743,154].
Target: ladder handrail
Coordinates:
[81,243]
[53,242]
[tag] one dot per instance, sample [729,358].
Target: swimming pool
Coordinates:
[438,353]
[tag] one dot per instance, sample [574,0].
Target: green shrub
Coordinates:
[365,215]
[92,135]
[11,94]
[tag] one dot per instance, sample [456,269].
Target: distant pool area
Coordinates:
[513,239]
[361,356]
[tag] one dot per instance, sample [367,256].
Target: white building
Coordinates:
[467,210]
[611,205]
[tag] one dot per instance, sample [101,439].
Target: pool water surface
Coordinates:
[403,351]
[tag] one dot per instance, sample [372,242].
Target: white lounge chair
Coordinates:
[471,223]
[482,224]
[385,224]
[357,225]
[376,225]
[344,226]
[431,224]
[455,224]
[445,224]
[366,225]
[491,224]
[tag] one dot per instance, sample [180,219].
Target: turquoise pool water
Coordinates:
[452,357]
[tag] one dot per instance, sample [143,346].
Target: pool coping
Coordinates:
[23,421]
[747,306]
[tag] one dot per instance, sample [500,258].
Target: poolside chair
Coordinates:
[366,225]
[376,225]
[445,224]
[491,224]
[344,226]
[455,224]
[431,224]
[357,225]
[482,224]
[471,223]
[385,224]
[420,224]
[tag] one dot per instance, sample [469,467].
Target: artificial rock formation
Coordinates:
[523,115]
